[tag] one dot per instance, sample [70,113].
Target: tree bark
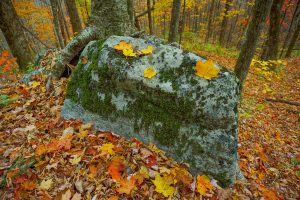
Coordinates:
[12,29]
[108,17]
[74,16]
[150,24]
[209,22]
[260,12]
[272,44]
[224,22]
[55,12]
[291,27]
[293,41]
[174,25]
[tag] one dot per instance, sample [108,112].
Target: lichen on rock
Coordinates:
[193,119]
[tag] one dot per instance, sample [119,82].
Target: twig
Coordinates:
[284,101]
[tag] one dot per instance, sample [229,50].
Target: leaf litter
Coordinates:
[46,157]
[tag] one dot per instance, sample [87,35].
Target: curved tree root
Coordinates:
[73,49]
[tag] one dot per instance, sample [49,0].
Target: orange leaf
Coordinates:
[126,186]
[116,168]
[203,185]
[40,150]
[12,173]
[5,53]
[28,185]
[93,171]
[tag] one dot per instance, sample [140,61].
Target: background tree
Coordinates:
[293,41]
[14,34]
[209,21]
[224,22]
[57,27]
[108,17]
[175,21]
[272,44]
[260,12]
[74,16]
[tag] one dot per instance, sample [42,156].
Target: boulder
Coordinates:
[194,120]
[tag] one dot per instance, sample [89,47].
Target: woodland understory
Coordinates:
[268,146]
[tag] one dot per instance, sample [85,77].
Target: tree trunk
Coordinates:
[55,12]
[108,17]
[293,41]
[182,21]
[130,5]
[150,24]
[209,22]
[174,25]
[74,16]
[3,43]
[260,12]
[12,29]
[291,27]
[224,22]
[272,44]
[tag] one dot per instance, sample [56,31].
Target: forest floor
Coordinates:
[45,157]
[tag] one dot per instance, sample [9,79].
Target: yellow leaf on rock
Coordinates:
[203,184]
[129,53]
[108,148]
[148,50]
[206,70]
[149,72]
[163,185]
[46,184]
[123,45]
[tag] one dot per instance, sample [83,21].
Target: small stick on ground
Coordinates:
[283,101]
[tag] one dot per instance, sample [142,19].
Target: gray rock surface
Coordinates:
[193,119]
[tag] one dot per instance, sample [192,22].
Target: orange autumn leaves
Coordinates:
[8,66]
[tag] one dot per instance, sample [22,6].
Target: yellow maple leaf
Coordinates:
[148,50]
[123,45]
[34,84]
[108,148]
[203,184]
[46,184]
[206,70]
[75,160]
[129,53]
[82,134]
[149,72]
[163,185]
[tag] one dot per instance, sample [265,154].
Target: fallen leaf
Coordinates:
[28,185]
[148,50]
[149,72]
[76,196]
[129,53]
[163,185]
[203,184]
[126,186]
[67,195]
[34,84]
[46,184]
[206,70]
[108,148]
[75,160]
[123,45]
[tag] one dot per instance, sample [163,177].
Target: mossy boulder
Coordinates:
[193,119]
